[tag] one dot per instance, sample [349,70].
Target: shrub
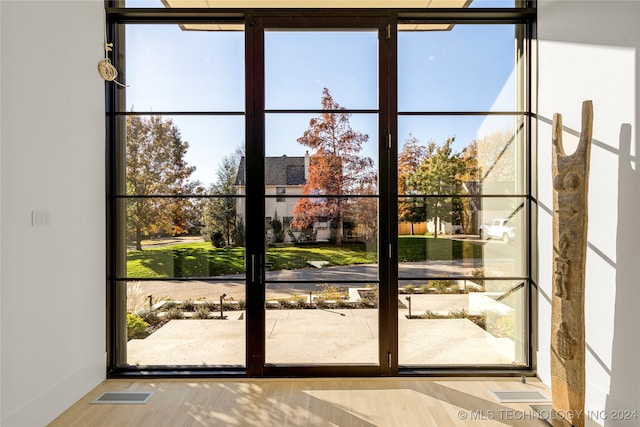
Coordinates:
[217,239]
[174,313]
[332,292]
[149,316]
[453,314]
[292,236]
[424,289]
[458,313]
[201,313]
[431,315]
[169,305]
[136,326]
[478,274]
[441,284]
[276,226]
[188,305]
[238,236]
[295,301]
[369,297]
[407,289]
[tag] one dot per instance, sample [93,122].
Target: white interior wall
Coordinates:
[589,50]
[52,159]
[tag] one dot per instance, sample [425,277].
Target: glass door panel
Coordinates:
[321,198]
[182,199]
[462,205]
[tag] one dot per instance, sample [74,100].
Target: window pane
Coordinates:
[328,265]
[184,154]
[342,164]
[471,155]
[462,322]
[175,323]
[186,237]
[469,68]
[336,236]
[321,323]
[453,237]
[170,69]
[299,65]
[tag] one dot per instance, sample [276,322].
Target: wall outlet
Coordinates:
[40,218]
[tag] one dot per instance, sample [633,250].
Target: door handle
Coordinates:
[253,268]
[256,268]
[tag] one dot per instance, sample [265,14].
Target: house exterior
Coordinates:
[284,177]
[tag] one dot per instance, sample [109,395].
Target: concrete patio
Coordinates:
[315,336]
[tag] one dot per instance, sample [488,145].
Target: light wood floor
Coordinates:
[438,402]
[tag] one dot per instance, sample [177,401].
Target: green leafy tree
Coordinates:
[470,181]
[412,208]
[439,175]
[156,166]
[277,228]
[438,170]
[336,167]
[220,212]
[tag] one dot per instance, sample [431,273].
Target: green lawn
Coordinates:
[293,257]
[200,259]
[422,248]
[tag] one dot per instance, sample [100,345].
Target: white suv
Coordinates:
[498,228]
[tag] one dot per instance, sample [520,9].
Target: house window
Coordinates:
[281,191]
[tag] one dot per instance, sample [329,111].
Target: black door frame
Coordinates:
[255,84]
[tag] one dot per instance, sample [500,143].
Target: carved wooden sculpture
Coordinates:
[570,184]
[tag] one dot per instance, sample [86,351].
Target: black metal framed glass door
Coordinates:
[316,176]
[376,213]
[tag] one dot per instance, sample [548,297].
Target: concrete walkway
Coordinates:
[285,286]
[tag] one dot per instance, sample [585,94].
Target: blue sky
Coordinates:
[167,69]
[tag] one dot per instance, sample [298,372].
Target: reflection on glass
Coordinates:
[472,155]
[450,71]
[184,237]
[169,155]
[169,69]
[298,65]
[175,323]
[320,323]
[453,237]
[462,322]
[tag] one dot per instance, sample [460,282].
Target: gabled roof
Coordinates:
[277,171]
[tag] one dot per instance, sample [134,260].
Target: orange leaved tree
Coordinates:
[336,168]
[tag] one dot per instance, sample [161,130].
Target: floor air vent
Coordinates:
[513,396]
[124,397]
